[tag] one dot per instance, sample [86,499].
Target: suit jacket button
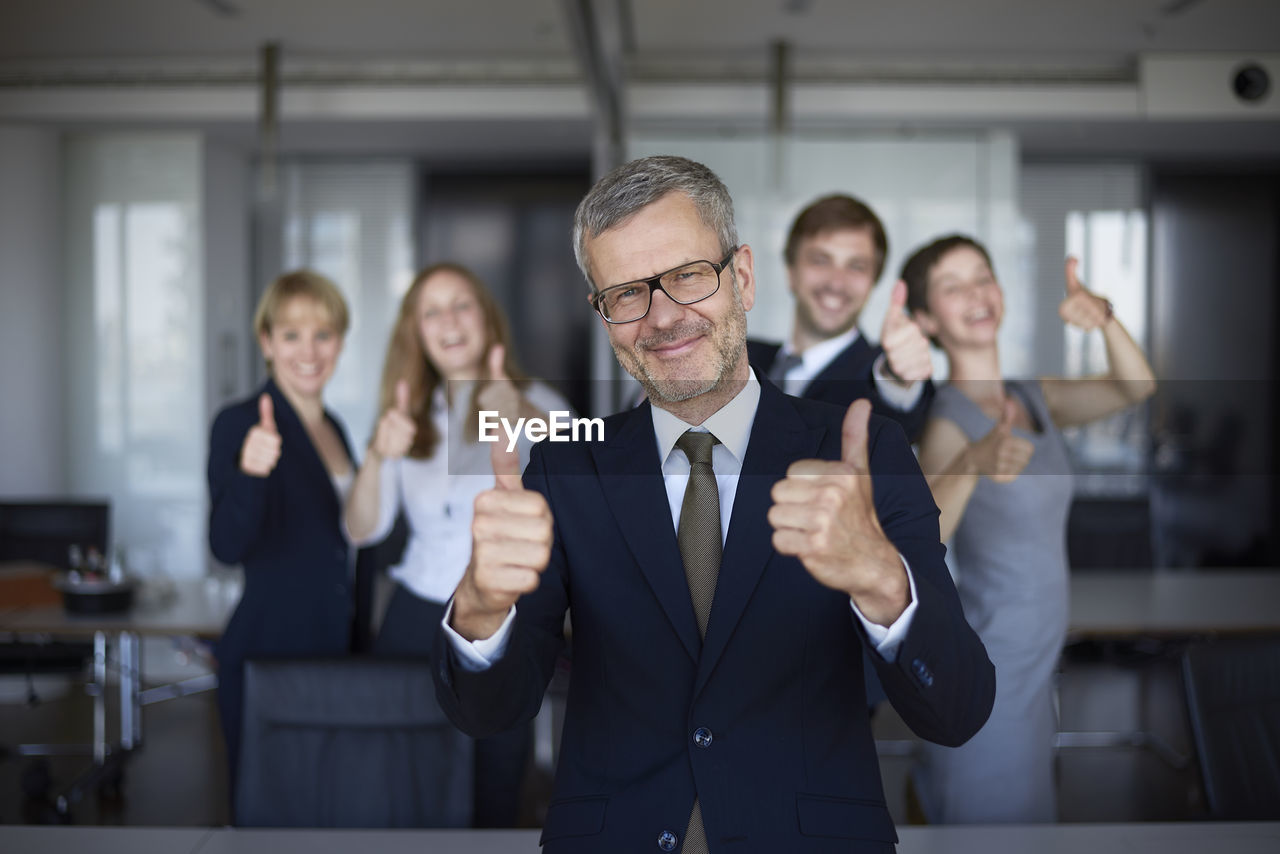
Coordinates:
[702,737]
[667,841]
[922,673]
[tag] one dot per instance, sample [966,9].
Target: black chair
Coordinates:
[349,742]
[1233,691]
[1110,533]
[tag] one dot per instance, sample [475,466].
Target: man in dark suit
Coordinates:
[726,552]
[835,254]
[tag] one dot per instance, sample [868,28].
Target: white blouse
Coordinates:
[438,495]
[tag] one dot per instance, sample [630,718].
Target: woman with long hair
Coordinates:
[449,358]
[993,453]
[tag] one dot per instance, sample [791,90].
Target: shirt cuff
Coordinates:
[478,655]
[887,640]
[902,398]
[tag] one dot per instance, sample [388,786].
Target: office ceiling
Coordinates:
[47,43]
[1088,32]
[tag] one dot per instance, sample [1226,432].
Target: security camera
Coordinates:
[1251,83]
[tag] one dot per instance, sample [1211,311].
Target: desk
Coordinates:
[1167,605]
[1173,603]
[1187,838]
[188,612]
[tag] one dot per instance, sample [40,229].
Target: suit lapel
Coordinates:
[295,441]
[778,437]
[631,479]
[853,363]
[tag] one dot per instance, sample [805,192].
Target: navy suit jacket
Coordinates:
[847,378]
[777,684]
[285,530]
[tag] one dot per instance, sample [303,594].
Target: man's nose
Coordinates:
[663,310]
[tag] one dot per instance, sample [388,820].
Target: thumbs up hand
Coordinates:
[499,394]
[261,449]
[824,514]
[1082,307]
[506,466]
[1000,455]
[511,537]
[906,348]
[396,428]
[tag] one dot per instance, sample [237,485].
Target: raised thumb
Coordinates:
[897,306]
[853,434]
[1074,285]
[898,298]
[506,466]
[266,412]
[497,360]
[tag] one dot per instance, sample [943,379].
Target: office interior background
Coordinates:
[161,161]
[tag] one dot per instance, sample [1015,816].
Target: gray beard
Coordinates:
[728,347]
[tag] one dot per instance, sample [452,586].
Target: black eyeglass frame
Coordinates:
[655,284]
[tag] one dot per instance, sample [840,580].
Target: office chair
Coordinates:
[1233,693]
[351,742]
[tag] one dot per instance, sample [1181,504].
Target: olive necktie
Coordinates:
[700,547]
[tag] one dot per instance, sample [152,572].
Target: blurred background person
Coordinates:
[449,357]
[996,461]
[835,253]
[280,467]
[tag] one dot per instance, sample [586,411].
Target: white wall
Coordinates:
[31,418]
[136,355]
[228,295]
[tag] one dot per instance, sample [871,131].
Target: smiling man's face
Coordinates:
[677,352]
[831,277]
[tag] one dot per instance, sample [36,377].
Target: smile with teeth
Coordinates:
[831,301]
[979,315]
[307,369]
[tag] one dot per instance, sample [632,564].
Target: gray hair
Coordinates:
[622,193]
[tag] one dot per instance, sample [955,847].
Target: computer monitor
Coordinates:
[45,531]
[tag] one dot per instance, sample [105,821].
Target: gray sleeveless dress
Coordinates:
[1009,559]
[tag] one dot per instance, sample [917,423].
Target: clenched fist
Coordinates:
[261,449]
[906,348]
[824,514]
[1000,455]
[511,536]
[1081,307]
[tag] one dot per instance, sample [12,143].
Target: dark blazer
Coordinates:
[847,378]
[285,530]
[787,762]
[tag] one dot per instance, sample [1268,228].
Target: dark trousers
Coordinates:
[409,631]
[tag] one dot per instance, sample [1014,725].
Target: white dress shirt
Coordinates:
[731,424]
[815,359]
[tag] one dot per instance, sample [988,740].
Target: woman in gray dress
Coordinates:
[994,456]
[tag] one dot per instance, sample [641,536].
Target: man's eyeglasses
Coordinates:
[686,284]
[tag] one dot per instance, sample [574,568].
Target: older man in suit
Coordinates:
[726,552]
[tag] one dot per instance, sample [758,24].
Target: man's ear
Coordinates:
[744,269]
